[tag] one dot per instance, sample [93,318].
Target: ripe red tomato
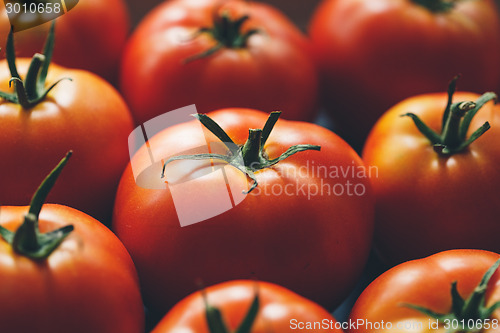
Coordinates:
[90,36]
[427,201]
[276,310]
[374,53]
[263,61]
[296,228]
[86,115]
[89,284]
[388,304]
[86,283]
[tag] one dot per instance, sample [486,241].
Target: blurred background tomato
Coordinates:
[90,36]
[299,10]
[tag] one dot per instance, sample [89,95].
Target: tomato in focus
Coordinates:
[291,229]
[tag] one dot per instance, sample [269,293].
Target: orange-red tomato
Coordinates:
[280,310]
[383,305]
[86,115]
[88,284]
[90,36]
[427,202]
[271,70]
[307,225]
[374,53]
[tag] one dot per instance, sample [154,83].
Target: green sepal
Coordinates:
[429,133]
[428,312]
[11,54]
[250,317]
[224,158]
[452,87]
[213,127]
[214,318]
[486,313]
[476,135]
[6,234]
[48,51]
[9,97]
[481,101]
[457,302]
[268,127]
[290,151]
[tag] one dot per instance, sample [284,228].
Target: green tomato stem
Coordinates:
[437,6]
[31,91]
[457,118]
[227,33]
[251,150]
[451,131]
[27,239]
[248,158]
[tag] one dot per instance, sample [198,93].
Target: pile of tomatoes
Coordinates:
[204,192]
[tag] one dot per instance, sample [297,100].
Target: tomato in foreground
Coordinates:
[437,189]
[63,271]
[300,222]
[90,36]
[452,291]
[218,54]
[42,117]
[373,54]
[243,307]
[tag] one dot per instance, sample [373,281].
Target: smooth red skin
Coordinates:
[426,282]
[315,247]
[88,284]
[86,115]
[90,36]
[373,54]
[275,71]
[426,203]
[277,307]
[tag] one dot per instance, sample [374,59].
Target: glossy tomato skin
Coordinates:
[274,72]
[425,282]
[315,246]
[86,115]
[280,309]
[90,36]
[88,284]
[426,203]
[374,54]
